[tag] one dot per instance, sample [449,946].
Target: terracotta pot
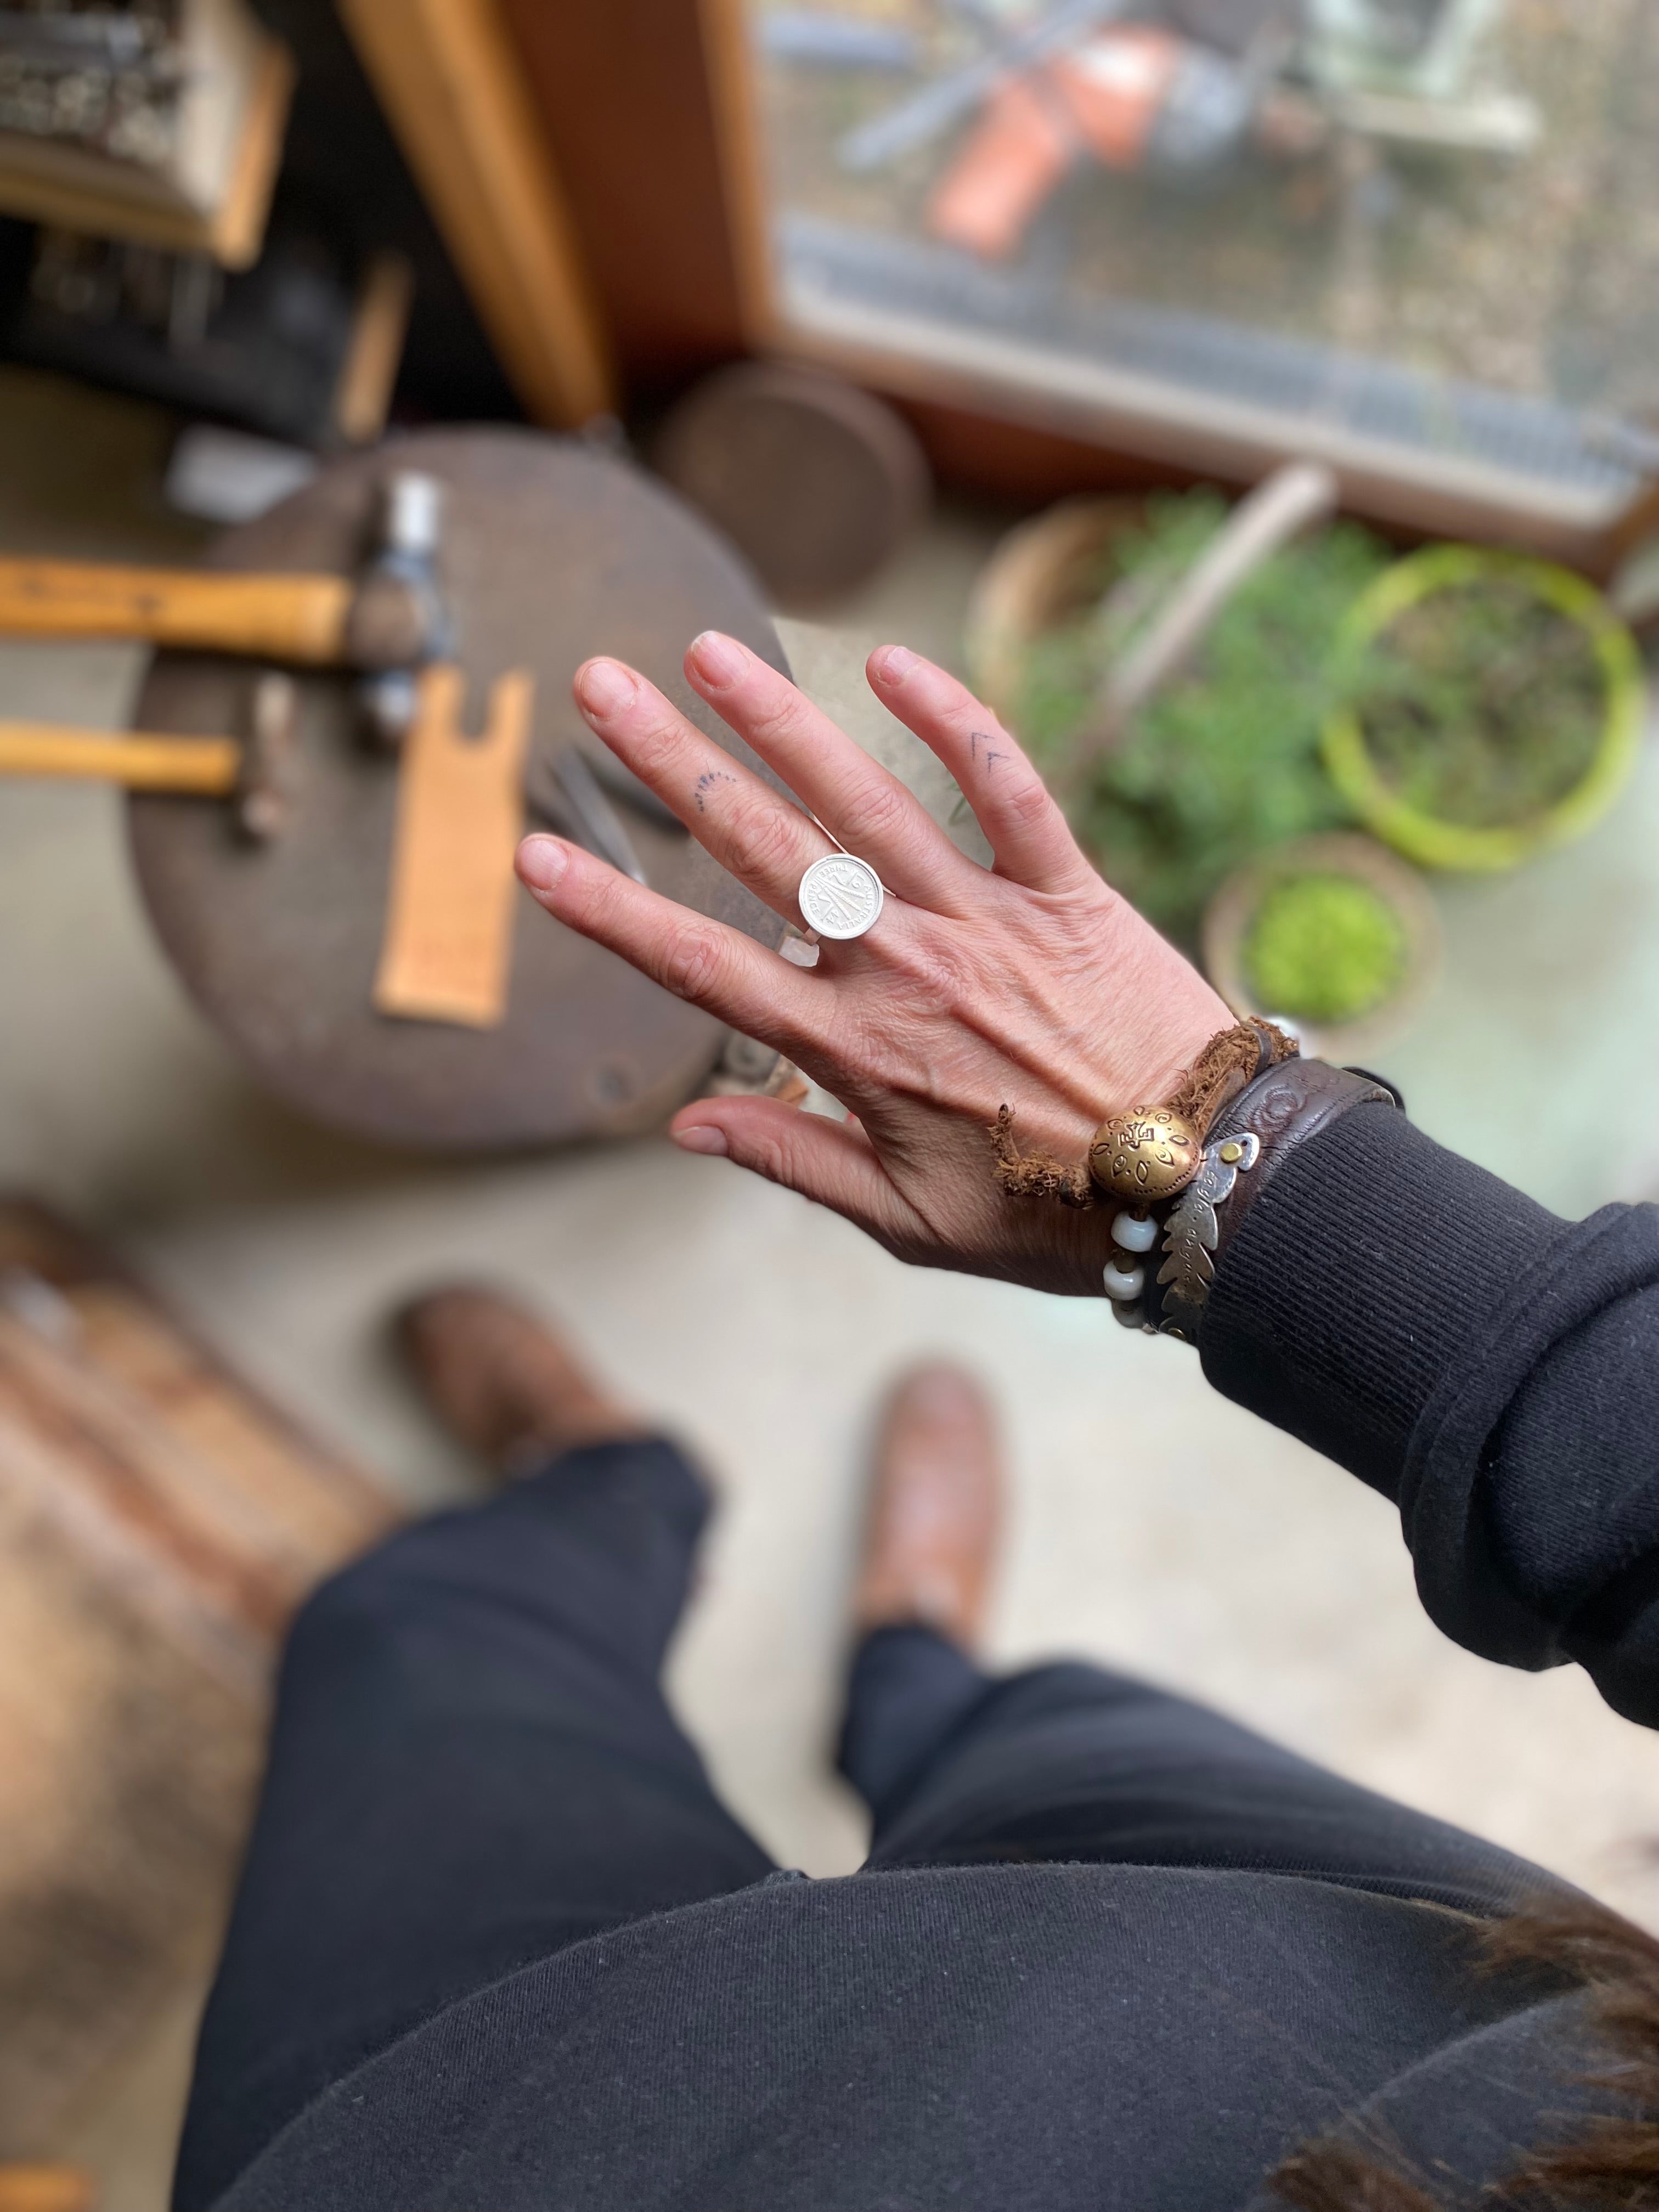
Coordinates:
[1230,912]
[1045,572]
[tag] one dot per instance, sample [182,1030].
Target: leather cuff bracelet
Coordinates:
[1186,1172]
[1254,1135]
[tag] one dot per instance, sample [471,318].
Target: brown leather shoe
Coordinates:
[935,1508]
[503,1380]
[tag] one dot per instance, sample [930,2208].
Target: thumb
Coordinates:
[825,1160]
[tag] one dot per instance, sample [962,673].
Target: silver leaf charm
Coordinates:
[1193,1235]
[1214,1181]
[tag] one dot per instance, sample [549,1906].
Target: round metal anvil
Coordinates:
[548,552]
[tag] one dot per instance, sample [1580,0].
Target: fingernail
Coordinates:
[938,1393]
[718,658]
[894,663]
[702,1138]
[541,861]
[603,687]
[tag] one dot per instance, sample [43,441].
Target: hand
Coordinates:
[1031,984]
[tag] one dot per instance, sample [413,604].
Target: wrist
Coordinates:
[1184,1030]
[1273,1117]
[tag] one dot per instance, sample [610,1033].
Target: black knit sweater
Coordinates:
[1143,2037]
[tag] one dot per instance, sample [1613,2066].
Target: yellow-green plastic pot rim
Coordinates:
[1423,837]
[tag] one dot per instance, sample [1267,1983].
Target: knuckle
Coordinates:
[761,841]
[771,712]
[654,742]
[850,1059]
[690,962]
[933,977]
[1026,803]
[769,1156]
[606,895]
[870,1062]
[879,814]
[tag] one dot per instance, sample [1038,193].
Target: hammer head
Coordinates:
[398,618]
[266,791]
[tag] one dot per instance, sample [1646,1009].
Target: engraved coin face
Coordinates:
[1150,1154]
[840,897]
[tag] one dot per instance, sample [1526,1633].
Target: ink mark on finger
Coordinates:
[705,783]
[975,739]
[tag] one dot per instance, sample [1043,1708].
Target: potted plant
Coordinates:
[1222,760]
[1331,935]
[1046,576]
[1486,707]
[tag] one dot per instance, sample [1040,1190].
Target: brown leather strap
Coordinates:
[1228,1065]
[1283,1109]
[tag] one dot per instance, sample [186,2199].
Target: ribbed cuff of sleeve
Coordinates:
[1357,1278]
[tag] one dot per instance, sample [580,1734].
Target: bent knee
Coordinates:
[368,1599]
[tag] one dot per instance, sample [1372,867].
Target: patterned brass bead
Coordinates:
[1147,1155]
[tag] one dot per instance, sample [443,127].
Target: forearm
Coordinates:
[1491,1368]
[1402,1311]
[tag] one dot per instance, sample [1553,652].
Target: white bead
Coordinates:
[1133,1316]
[1134,1235]
[1122,1284]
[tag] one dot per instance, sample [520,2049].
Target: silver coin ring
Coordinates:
[841,896]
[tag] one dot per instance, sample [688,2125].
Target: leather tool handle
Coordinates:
[447,952]
[46,2189]
[210,767]
[277,617]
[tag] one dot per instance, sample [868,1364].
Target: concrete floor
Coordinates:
[1154,1525]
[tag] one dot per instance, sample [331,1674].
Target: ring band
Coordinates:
[841,896]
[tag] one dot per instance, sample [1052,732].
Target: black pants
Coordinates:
[473,1765]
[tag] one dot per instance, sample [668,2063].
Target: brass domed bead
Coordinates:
[1145,1155]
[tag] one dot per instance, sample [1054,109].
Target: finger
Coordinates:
[1028,833]
[822,1159]
[702,961]
[762,838]
[856,799]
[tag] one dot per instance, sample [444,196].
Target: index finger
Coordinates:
[706,963]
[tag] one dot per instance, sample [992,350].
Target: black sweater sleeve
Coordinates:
[1491,1368]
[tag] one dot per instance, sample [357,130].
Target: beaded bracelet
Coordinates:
[1153,1156]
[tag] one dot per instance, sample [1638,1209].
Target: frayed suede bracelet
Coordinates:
[1175,1169]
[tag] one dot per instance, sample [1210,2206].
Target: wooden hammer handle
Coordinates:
[143,761]
[278,618]
[46,2189]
